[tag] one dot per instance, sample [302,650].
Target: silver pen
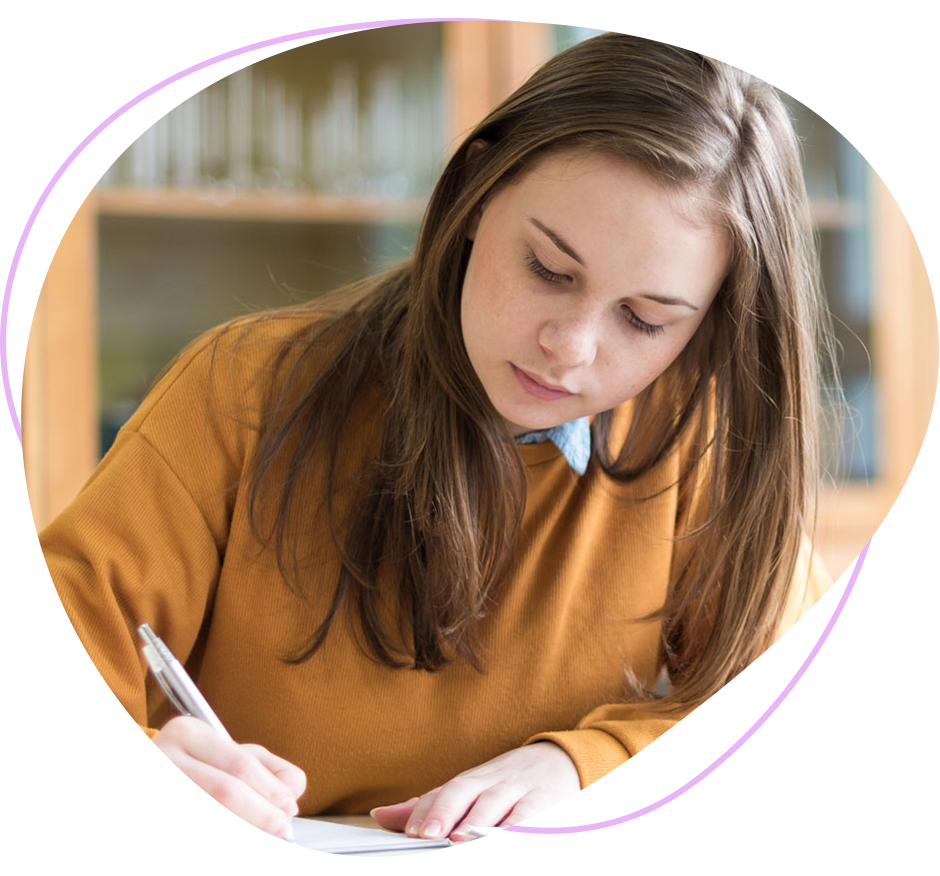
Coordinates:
[180,689]
[175,681]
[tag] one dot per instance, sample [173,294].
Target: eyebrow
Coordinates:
[558,240]
[669,300]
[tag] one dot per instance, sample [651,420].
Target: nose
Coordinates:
[571,340]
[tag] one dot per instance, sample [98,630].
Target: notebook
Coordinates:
[346,839]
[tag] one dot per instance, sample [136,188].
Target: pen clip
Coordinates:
[179,688]
[156,664]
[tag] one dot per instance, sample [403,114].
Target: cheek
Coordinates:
[664,358]
[639,364]
[484,319]
[497,303]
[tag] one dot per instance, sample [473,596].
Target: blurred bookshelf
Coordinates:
[274,184]
[358,115]
[837,182]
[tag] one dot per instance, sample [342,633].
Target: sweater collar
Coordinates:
[573,439]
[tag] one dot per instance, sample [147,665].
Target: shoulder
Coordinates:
[233,363]
[218,386]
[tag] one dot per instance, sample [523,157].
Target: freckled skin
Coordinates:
[584,328]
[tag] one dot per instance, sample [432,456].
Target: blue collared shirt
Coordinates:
[573,439]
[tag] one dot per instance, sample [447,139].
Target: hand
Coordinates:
[502,791]
[256,785]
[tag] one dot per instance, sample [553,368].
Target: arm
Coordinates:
[618,737]
[143,541]
[132,548]
[552,766]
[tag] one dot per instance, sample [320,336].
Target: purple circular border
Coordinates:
[815,764]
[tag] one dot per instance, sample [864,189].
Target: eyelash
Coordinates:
[537,268]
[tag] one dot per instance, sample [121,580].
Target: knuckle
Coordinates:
[175,728]
[461,784]
[493,795]
[298,779]
[527,807]
[259,752]
[224,790]
[188,726]
[240,765]
[524,809]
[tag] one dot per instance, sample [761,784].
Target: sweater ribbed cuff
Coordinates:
[594,752]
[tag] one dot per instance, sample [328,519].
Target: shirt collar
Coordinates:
[573,440]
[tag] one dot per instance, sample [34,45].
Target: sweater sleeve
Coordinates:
[144,539]
[621,737]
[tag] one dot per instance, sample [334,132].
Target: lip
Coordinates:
[537,388]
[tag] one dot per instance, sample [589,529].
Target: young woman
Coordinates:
[437,543]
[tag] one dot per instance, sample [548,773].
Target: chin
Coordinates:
[527,424]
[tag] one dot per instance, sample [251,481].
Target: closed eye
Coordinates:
[537,268]
[646,327]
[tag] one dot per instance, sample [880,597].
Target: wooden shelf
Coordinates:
[219,204]
[833,214]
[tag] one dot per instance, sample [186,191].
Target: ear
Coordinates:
[475,147]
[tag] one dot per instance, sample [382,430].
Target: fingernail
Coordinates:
[289,806]
[287,833]
[412,829]
[430,829]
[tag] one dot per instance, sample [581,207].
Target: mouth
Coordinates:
[538,388]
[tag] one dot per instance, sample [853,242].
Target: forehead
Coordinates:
[619,216]
[611,179]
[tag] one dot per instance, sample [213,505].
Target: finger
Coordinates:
[290,774]
[490,809]
[527,807]
[415,821]
[239,798]
[205,745]
[436,816]
[243,764]
[394,817]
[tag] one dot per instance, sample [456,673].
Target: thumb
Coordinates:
[394,817]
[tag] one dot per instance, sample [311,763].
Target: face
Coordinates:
[585,280]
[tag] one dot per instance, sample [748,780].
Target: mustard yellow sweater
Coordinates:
[160,535]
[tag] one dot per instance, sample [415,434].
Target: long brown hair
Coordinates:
[439,502]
